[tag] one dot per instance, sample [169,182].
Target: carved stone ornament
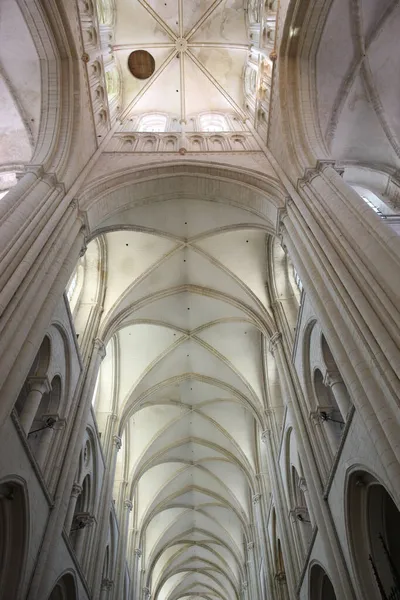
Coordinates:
[146,592]
[256,498]
[138,552]
[250,546]
[107,584]
[85,57]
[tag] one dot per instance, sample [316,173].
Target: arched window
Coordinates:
[213,122]
[112,83]
[374,522]
[153,123]
[75,285]
[321,587]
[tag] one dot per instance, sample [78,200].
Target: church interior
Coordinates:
[199,300]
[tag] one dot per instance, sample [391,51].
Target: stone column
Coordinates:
[75,492]
[253,575]
[122,547]
[339,391]
[38,386]
[104,511]
[281,514]
[136,575]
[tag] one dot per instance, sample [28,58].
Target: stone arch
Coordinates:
[373,519]
[321,587]
[14,536]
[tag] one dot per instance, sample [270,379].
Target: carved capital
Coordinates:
[100,347]
[138,552]
[76,489]
[250,546]
[128,505]
[331,378]
[117,442]
[303,484]
[39,384]
[256,498]
[82,520]
[106,584]
[274,340]
[265,435]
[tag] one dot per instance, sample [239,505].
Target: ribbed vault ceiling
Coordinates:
[185,310]
[199,48]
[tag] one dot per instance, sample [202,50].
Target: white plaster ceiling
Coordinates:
[199,48]
[357,91]
[187,302]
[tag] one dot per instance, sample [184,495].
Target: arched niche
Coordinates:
[321,587]
[64,589]
[14,528]
[373,523]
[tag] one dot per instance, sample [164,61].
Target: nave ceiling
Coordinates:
[188,377]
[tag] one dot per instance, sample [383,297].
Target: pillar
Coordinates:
[122,547]
[99,543]
[75,492]
[38,386]
[281,514]
[339,391]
